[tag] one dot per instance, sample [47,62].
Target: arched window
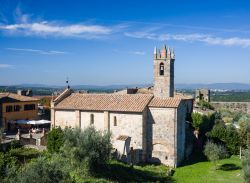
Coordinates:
[91,119]
[115,121]
[161,69]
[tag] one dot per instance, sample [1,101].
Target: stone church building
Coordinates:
[152,126]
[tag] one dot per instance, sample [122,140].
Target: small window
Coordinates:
[17,107]
[161,69]
[115,121]
[91,119]
[29,107]
[9,108]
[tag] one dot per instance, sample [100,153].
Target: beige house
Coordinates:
[153,125]
[16,107]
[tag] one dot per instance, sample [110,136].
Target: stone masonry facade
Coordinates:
[164,72]
[153,127]
[234,106]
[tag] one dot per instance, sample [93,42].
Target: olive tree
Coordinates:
[246,165]
[44,170]
[215,152]
[55,140]
[89,148]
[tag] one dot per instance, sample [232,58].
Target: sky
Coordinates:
[112,42]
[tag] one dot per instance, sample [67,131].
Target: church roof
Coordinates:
[105,102]
[165,102]
[17,97]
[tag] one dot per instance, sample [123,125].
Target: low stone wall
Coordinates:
[27,141]
[233,106]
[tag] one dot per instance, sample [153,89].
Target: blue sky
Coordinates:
[111,42]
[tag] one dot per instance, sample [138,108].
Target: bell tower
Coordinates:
[164,72]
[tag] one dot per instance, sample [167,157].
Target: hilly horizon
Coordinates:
[213,86]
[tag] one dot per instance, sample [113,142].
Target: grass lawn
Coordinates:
[120,172]
[229,171]
[201,171]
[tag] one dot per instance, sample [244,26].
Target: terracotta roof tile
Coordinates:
[106,102]
[17,97]
[122,137]
[165,102]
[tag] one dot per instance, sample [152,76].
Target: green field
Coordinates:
[204,172]
[229,171]
[195,171]
[120,172]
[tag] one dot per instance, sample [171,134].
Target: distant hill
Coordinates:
[84,87]
[114,87]
[219,86]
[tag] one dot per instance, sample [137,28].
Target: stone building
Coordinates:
[164,73]
[153,125]
[202,94]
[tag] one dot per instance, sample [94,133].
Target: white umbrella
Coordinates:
[22,121]
[39,122]
[33,122]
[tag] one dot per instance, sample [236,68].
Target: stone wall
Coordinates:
[65,118]
[181,132]
[156,134]
[164,84]
[161,135]
[233,106]
[98,119]
[202,94]
[127,124]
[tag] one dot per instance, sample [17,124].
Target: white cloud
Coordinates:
[137,52]
[130,52]
[196,37]
[28,25]
[45,28]
[41,52]
[3,66]
[20,17]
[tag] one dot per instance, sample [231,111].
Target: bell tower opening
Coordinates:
[161,69]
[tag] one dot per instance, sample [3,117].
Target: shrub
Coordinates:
[42,170]
[203,123]
[205,105]
[215,152]
[55,140]
[89,147]
[232,139]
[244,134]
[15,144]
[218,132]
[24,154]
[246,165]
[6,161]
[197,120]
[208,123]
[227,119]
[227,134]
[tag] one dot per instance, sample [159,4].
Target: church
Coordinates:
[152,125]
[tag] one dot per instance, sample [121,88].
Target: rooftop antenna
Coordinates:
[67,82]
